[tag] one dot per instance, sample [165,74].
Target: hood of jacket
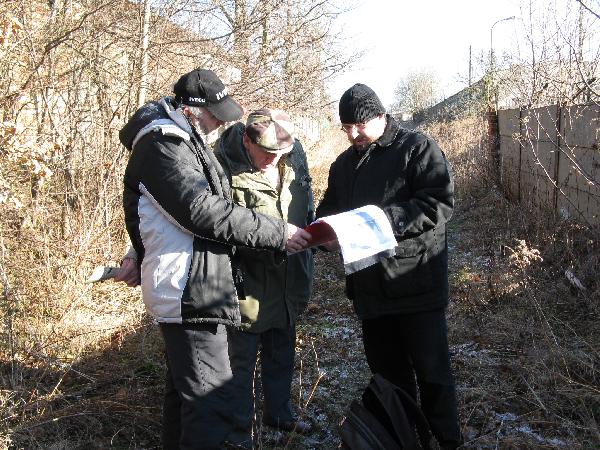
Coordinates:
[231,149]
[156,116]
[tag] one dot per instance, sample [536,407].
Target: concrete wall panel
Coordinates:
[579,168]
[509,166]
[580,126]
[508,122]
[540,124]
[528,170]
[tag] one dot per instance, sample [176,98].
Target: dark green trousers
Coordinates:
[277,349]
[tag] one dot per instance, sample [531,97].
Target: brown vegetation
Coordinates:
[81,365]
[71,72]
[525,339]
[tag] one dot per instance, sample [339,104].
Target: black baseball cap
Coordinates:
[202,87]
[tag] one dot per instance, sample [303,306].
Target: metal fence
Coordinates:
[550,158]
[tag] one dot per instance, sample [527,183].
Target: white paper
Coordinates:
[103,273]
[365,236]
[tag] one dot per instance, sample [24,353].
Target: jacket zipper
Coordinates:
[362,160]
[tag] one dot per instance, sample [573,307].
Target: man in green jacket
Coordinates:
[268,172]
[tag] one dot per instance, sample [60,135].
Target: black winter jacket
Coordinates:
[406,174]
[182,221]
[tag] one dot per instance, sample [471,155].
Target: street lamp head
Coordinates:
[502,20]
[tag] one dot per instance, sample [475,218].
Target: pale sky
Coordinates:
[400,36]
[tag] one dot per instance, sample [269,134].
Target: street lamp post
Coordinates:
[492,40]
[491,77]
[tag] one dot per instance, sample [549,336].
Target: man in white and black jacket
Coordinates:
[401,300]
[183,226]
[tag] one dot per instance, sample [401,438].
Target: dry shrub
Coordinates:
[526,339]
[60,183]
[525,336]
[463,141]
[59,220]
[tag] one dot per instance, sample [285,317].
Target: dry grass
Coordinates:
[320,156]
[81,365]
[525,340]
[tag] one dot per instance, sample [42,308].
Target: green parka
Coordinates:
[276,286]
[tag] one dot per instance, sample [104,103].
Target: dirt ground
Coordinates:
[516,384]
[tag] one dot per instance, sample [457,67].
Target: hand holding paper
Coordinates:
[364,235]
[128,273]
[320,233]
[297,239]
[103,273]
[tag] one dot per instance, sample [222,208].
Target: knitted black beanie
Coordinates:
[359,104]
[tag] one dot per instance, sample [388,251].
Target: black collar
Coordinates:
[392,127]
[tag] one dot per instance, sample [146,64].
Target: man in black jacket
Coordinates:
[402,299]
[183,225]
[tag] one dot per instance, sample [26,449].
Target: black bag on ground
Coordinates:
[384,420]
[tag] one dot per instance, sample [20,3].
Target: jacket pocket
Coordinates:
[256,281]
[210,292]
[300,271]
[406,274]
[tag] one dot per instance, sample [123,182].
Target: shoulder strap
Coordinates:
[379,386]
[361,430]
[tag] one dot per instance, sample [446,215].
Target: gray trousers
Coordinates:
[277,348]
[198,394]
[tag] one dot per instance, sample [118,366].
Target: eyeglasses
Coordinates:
[347,128]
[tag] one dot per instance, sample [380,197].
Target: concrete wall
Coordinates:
[550,158]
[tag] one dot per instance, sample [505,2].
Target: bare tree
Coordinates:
[558,58]
[416,92]
[280,50]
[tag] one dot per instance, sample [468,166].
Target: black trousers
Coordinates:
[198,394]
[407,346]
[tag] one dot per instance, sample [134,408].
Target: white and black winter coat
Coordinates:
[182,221]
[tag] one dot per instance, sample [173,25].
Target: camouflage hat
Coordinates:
[272,129]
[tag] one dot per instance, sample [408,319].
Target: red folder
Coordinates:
[321,232]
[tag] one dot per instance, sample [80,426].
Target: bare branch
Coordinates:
[587,8]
